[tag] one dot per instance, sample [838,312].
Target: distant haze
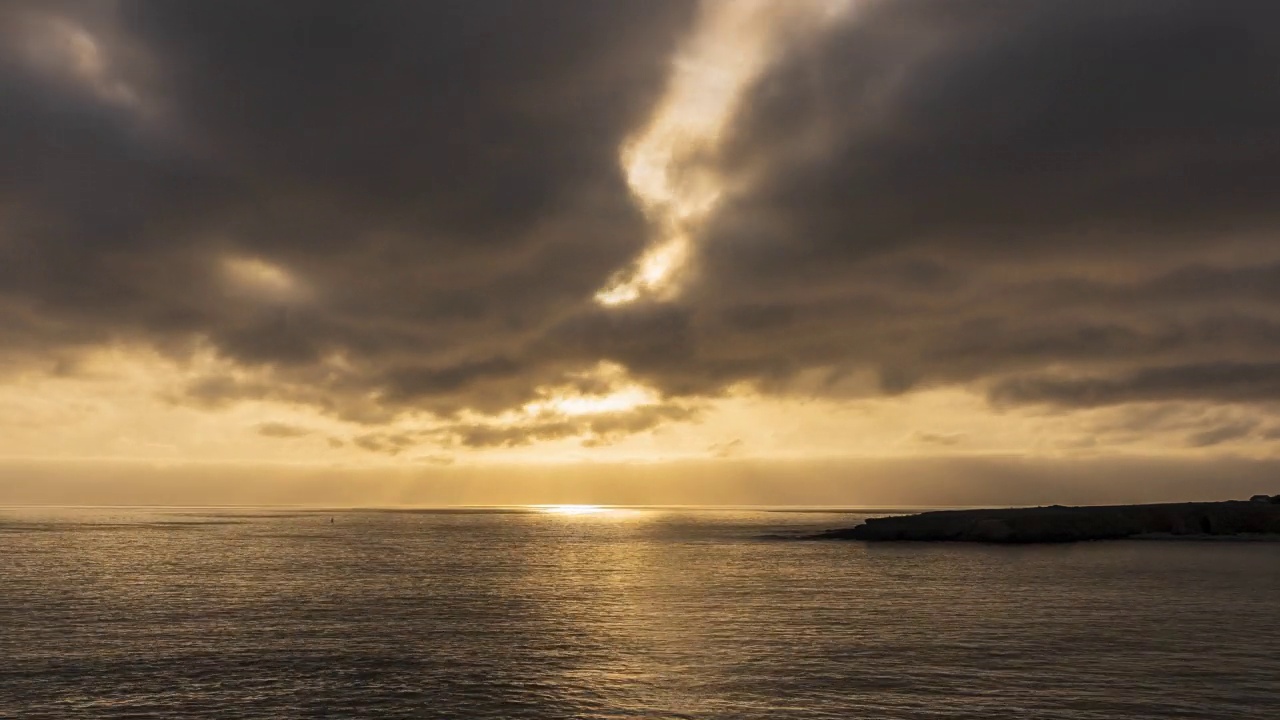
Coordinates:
[935,482]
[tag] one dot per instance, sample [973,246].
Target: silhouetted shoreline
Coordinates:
[1238,520]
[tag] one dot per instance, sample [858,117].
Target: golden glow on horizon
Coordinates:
[732,45]
[125,404]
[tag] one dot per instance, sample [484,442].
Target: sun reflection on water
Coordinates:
[576,510]
[571,509]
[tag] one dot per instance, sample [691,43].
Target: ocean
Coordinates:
[580,612]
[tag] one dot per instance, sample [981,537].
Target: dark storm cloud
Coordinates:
[956,192]
[440,177]
[1229,382]
[1013,127]
[1069,203]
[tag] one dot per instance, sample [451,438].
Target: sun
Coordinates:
[571,509]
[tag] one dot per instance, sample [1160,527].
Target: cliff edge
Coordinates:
[1057,524]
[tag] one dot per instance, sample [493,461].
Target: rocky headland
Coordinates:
[1258,518]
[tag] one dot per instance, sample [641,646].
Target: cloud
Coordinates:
[385,443]
[282,430]
[402,211]
[726,449]
[953,193]
[595,429]
[437,459]
[1227,382]
[435,217]
[1222,434]
[944,439]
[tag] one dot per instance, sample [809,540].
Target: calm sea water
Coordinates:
[144,613]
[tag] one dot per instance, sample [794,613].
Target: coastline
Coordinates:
[1232,520]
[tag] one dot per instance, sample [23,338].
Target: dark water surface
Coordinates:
[145,613]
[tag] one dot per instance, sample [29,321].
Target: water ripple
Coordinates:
[653,614]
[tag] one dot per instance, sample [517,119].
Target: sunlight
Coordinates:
[617,393]
[262,279]
[63,46]
[576,405]
[572,509]
[610,512]
[651,272]
[666,163]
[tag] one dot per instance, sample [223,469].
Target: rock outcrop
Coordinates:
[1056,524]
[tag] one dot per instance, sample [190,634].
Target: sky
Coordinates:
[735,251]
